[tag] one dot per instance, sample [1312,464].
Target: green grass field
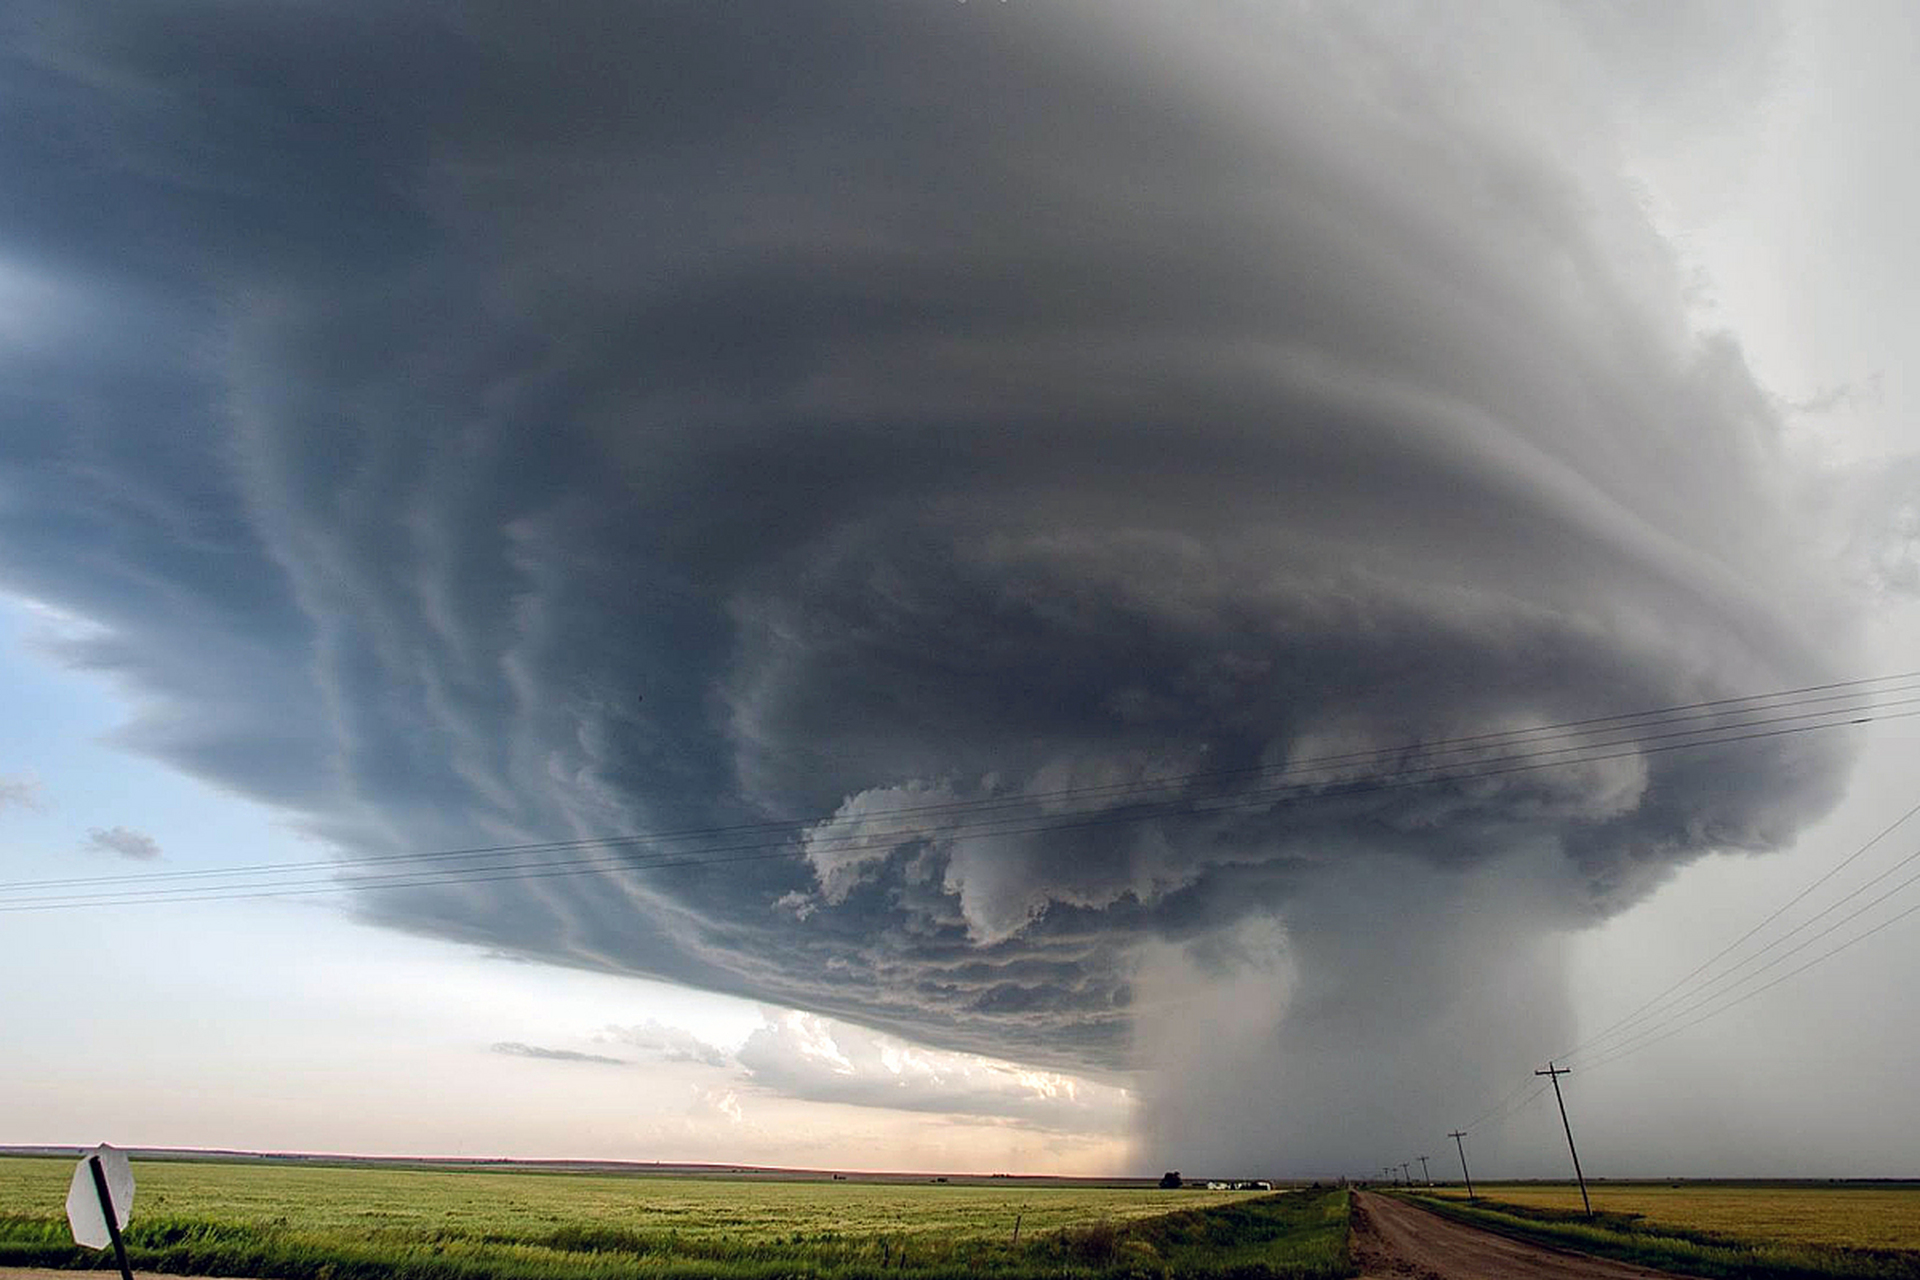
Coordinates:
[317,1222]
[1768,1231]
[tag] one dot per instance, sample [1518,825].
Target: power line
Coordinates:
[1502,1112]
[1646,1010]
[1499,1106]
[1553,1074]
[1656,718]
[1622,1048]
[308,888]
[1459,1136]
[1202,807]
[1498,1118]
[1695,1008]
[1817,960]
[1186,808]
[1699,998]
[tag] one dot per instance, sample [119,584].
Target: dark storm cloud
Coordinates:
[520,423]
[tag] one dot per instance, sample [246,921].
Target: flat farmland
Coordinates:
[318,1221]
[1837,1215]
[368,1200]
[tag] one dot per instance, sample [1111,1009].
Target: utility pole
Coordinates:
[1456,1135]
[1554,1073]
[1386,1171]
[1408,1177]
[1424,1175]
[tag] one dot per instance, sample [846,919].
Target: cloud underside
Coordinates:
[815,1059]
[802,1057]
[535,425]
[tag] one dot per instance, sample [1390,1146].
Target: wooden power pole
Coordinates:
[1466,1173]
[1424,1175]
[1554,1073]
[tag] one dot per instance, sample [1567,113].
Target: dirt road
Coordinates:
[1393,1240]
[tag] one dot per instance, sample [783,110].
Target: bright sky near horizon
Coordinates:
[388,602]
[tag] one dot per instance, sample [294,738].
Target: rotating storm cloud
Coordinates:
[500,426]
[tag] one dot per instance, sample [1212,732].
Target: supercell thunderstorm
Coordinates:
[513,427]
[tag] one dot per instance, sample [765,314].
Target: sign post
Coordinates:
[99,1202]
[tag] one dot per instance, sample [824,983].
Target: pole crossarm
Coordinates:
[1554,1073]
[1457,1135]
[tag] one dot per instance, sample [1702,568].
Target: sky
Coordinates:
[949,586]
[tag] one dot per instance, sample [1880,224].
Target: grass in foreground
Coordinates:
[1632,1237]
[358,1224]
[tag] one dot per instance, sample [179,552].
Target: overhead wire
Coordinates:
[1501,1118]
[1674,1010]
[1684,1004]
[1660,1003]
[1184,807]
[1694,1007]
[1498,1107]
[1792,973]
[1524,736]
[63,895]
[1704,1001]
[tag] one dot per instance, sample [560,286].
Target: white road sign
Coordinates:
[83,1200]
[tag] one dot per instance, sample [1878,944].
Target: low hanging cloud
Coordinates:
[515,1049]
[802,1056]
[123,842]
[669,1044]
[671,421]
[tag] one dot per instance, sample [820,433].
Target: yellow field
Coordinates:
[1871,1216]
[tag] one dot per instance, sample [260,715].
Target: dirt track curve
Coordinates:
[1393,1240]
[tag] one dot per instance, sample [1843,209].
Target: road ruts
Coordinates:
[1392,1240]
